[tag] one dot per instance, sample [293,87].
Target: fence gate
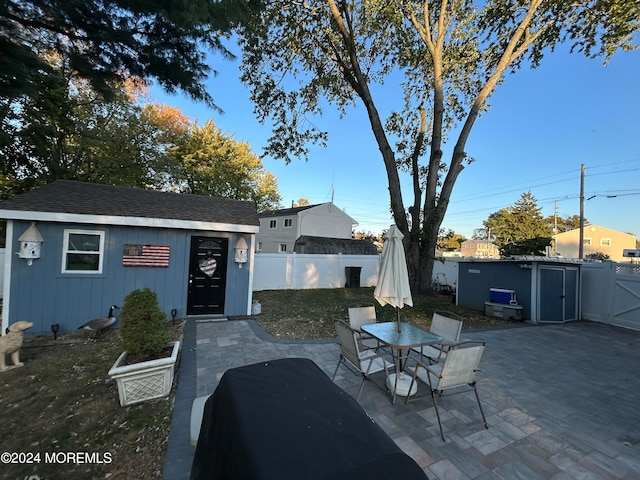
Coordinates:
[624,308]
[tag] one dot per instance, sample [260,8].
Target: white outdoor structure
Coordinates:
[277,271]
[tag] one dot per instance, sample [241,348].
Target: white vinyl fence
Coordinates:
[611,293]
[2,255]
[281,271]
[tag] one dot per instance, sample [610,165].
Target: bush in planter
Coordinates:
[143,325]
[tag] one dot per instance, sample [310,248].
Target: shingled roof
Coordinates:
[78,199]
[286,211]
[324,245]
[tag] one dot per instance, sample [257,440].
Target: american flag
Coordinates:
[145,255]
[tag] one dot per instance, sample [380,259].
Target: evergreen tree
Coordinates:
[104,42]
[520,229]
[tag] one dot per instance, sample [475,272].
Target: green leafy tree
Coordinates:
[447,56]
[520,229]
[213,163]
[565,224]
[105,42]
[301,202]
[597,256]
[72,133]
[450,240]
[77,135]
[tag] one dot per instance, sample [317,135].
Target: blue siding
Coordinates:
[476,278]
[42,294]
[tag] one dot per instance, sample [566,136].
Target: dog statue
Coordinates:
[11,342]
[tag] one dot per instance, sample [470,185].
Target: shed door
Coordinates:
[551,295]
[558,294]
[207,276]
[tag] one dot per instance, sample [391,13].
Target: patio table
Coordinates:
[401,342]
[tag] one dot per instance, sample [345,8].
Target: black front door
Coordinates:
[207,275]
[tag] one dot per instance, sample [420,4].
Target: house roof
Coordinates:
[324,245]
[286,211]
[294,211]
[72,201]
[591,228]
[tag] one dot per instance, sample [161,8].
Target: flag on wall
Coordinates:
[145,255]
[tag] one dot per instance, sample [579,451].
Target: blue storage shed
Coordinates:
[73,249]
[547,289]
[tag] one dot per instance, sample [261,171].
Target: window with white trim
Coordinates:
[288,222]
[272,223]
[605,241]
[586,241]
[282,247]
[82,251]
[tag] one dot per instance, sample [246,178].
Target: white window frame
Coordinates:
[282,248]
[288,222]
[605,241]
[273,224]
[66,251]
[586,241]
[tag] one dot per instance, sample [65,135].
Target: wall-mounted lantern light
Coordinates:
[241,252]
[30,244]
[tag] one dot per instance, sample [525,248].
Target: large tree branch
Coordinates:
[388,155]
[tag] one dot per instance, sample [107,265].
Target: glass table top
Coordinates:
[408,337]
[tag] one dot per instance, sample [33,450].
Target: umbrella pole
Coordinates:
[398,318]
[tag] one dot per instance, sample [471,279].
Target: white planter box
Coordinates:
[146,380]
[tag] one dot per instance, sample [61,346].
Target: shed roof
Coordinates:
[72,201]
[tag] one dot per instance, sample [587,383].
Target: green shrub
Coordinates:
[143,325]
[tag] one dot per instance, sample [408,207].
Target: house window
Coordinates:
[288,222]
[259,249]
[272,223]
[282,247]
[586,241]
[605,242]
[83,251]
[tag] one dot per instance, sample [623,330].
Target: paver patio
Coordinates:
[562,401]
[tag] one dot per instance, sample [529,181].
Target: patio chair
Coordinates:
[458,370]
[363,315]
[366,362]
[449,329]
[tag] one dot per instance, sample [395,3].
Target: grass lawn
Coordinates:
[309,314]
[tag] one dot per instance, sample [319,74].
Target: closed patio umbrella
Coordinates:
[393,278]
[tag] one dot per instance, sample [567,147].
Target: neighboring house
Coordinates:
[595,239]
[279,229]
[99,242]
[479,249]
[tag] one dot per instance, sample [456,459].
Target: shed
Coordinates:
[99,242]
[547,289]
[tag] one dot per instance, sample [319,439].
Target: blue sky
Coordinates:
[542,125]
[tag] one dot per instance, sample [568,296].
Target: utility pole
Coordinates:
[555,225]
[581,244]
